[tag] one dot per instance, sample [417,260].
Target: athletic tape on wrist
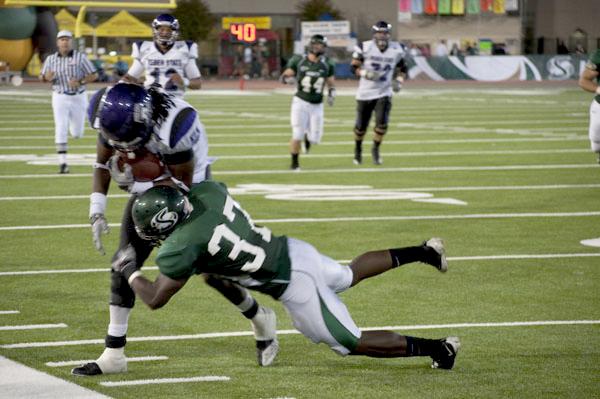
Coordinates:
[97,203]
[133,276]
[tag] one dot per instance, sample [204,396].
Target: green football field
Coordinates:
[504,176]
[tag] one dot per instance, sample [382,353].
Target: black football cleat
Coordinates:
[357,156]
[435,254]
[376,156]
[307,144]
[63,169]
[445,359]
[88,369]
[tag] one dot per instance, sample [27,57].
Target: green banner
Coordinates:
[444,7]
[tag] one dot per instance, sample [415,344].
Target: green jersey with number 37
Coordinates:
[220,238]
[311,76]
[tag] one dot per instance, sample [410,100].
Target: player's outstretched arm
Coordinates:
[158,293]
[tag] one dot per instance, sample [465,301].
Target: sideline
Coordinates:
[21,382]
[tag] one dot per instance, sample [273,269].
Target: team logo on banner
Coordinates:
[560,67]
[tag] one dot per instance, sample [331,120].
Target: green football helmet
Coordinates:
[158,211]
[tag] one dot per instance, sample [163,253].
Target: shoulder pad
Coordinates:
[181,125]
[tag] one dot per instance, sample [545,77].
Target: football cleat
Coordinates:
[376,157]
[264,325]
[112,361]
[63,169]
[445,359]
[306,146]
[357,156]
[266,351]
[435,254]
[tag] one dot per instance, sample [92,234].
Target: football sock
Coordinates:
[295,162]
[422,346]
[248,306]
[376,144]
[358,145]
[115,342]
[401,256]
[62,157]
[119,319]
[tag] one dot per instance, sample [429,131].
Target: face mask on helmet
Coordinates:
[165,29]
[317,45]
[124,117]
[381,34]
[158,211]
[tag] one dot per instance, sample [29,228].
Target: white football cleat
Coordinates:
[264,324]
[112,361]
[438,258]
[450,347]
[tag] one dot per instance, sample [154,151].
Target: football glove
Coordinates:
[397,85]
[124,178]
[369,75]
[331,96]
[125,262]
[99,227]
[287,80]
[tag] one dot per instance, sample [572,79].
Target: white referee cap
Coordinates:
[64,33]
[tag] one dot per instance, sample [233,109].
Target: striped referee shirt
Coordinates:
[74,65]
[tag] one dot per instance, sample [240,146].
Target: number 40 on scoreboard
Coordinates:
[243,32]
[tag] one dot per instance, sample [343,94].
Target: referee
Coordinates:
[68,70]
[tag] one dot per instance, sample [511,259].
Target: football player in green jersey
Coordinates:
[208,232]
[310,73]
[589,82]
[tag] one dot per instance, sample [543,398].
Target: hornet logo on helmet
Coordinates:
[164,220]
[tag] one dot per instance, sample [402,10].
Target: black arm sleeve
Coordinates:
[178,157]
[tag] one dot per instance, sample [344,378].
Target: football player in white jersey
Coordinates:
[133,120]
[381,67]
[166,61]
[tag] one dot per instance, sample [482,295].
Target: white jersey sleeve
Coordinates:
[182,131]
[382,62]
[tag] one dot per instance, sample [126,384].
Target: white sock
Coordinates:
[119,320]
[62,158]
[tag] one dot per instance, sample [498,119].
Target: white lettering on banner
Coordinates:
[326,28]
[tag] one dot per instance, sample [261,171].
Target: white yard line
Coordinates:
[50,344]
[32,327]
[21,382]
[129,359]
[450,188]
[207,378]
[9,312]
[345,170]
[353,219]
[342,261]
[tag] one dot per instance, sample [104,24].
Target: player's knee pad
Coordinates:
[359,132]
[381,129]
[121,293]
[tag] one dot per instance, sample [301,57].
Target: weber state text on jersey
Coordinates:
[157,66]
[384,63]
[594,65]
[220,238]
[311,76]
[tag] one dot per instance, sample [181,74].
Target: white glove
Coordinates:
[287,80]
[396,85]
[369,75]
[124,179]
[99,227]
[331,96]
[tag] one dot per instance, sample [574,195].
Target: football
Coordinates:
[145,165]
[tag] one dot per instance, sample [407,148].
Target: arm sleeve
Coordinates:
[331,70]
[136,70]
[176,258]
[191,69]
[292,63]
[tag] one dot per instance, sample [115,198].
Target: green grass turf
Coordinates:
[438,140]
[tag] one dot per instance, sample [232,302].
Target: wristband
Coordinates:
[186,81]
[598,90]
[97,203]
[133,276]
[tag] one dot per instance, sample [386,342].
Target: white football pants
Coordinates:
[69,116]
[595,126]
[306,118]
